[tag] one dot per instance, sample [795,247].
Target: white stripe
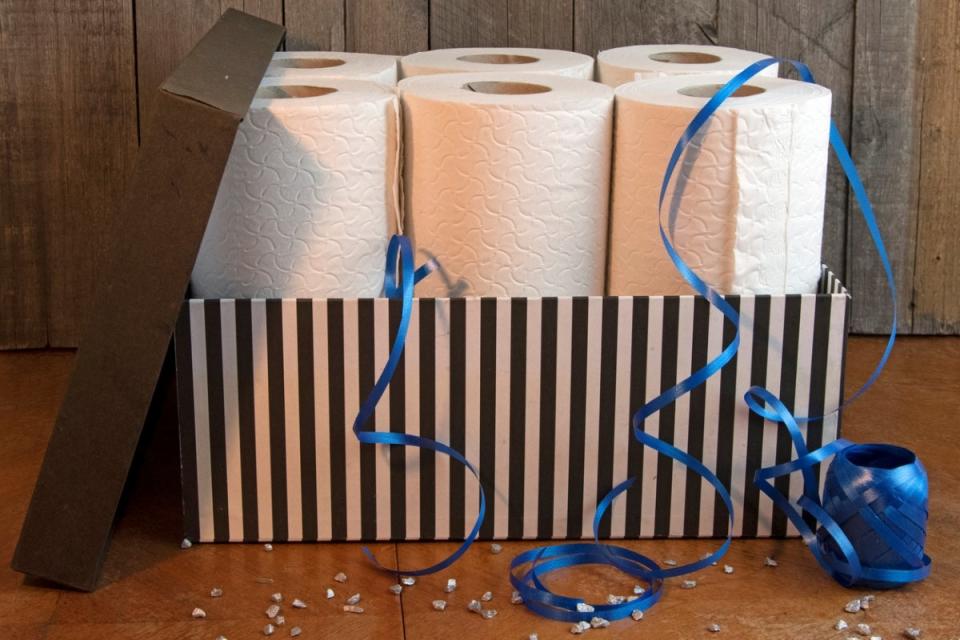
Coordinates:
[561,457]
[261,418]
[472,404]
[769,431]
[711,417]
[531,444]
[201,420]
[741,413]
[351,396]
[502,425]
[381,420]
[442,391]
[621,419]
[231,418]
[291,419]
[681,422]
[321,410]
[802,402]
[651,425]
[832,395]
[591,440]
[411,380]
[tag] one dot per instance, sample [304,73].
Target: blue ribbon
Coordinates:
[400,286]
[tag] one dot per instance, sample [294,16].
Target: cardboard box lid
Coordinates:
[155,236]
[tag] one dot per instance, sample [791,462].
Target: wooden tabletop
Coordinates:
[151,586]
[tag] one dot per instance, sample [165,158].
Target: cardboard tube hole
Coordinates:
[505,88]
[498,58]
[308,63]
[685,57]
[707,91]
[292,91]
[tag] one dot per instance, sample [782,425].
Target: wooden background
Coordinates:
[77,79]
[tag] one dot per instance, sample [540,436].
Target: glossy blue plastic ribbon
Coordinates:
[400,286]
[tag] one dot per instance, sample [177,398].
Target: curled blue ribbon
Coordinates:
[400,286]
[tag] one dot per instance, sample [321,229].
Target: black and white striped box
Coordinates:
[538,393]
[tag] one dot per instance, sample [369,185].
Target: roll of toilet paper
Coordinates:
[641,62]
[750,217]
[314,65]
[307,199]
[498,60]
[507,181]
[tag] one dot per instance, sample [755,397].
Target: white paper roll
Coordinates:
[641,62]
[507,181]
[497,60]
[308,195]
[750,219]
[315,65]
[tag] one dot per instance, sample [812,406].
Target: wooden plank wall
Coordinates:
[77,78]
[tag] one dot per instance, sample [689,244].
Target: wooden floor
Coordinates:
[151,586]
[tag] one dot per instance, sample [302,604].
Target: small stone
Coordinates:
[688,584]
[340,577]
[670,562]
[911,632]
[637,615]
[580,627]
[216,592]
[330,593]
[268,547]
[488,613]
[533,636]
[396,589]
[727,568]
[841,625]
[863,629]
[295,631]
[199,613]
[439,605]
[273,610]
[451,585]
[408,581]
[185,544]
[770,562]
[583,607]
[269,629]
[487,596]
[495,547]
[614,599]
[866,601]
[279,621]
[352,608]
[638,590]
[599,623]
[632,598]
[475,606]
[516,598]
[264,580]
[300,604]
[277,597]
[853,606]
[354,599]
[221,638]
[714,628]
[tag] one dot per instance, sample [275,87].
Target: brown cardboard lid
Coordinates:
[154,243]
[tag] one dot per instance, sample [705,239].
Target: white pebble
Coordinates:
[277,597]
[495,547]
[269,629]
[439,605]
[533,636]
[727,568]
[599,623]
[330,593]
[408,581]
[853,606]
[770,562]
[216,592]
[583,607]
[268,547]
[688,584]
[340,577]
[396,589]
[474,605]
[638,590]
[185,544]
[615,599]
[714,628]
[516,598]
[221,638]
[451,585]
[295,631]
[637,615]
[352,608]
[841,625]
[199,613]
[488,613]
[273,610]
[670,562]
[279,621]
[912,632]
[866,601]
[354,599]
[863,629]
[580,627]
[300,604]
[487,596]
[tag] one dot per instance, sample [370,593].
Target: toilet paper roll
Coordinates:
[313,65]
[641,62]
[750,219]
[507,181]
[497,60]
[305,205]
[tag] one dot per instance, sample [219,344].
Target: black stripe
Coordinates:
[578,415]
[608,404]
[366,362]
[755,422]
[518,414]
[695,425]
[818,379]
[548,416]
[278,445]
[726,413]
[428,424]
[218,437]
[398,456]
[188,436]
[638,393]
[308,425]
[458,429]
[788,395]
[338,425]
[668,378]
[246,415]
[488,410]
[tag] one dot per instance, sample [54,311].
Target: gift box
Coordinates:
[537,392]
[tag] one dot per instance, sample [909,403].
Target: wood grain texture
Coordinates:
[468,23]
[314,25]
[885,142]
[937,276]
[396,27]
[605,24]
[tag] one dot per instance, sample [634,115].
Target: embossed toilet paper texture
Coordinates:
[508,192]
[750,219]
[314,65]
[305,204]
[525,60]
[626,64]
